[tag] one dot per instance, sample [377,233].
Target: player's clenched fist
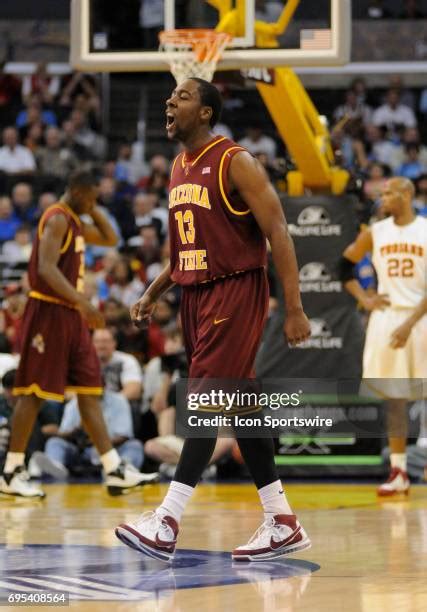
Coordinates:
[142,310]
[296,328]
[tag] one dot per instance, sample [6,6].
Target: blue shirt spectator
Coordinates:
[117,415]
[9,223]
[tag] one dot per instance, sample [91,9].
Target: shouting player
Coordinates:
[222,208]
[396,338]
[57,351]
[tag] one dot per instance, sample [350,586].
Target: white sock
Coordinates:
[13,460]
[110,460]
[273,499]
[175,501]
[398,460]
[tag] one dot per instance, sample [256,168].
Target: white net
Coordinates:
[196,52]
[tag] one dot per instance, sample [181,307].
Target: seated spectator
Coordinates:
[10,89]
[46,199]
[86,137]
[69,141]
[34,138]
[125,285]
[9,223]
[147,212]
[14,158]
[406,95]
[257,142]
[23,203]
[393,114]
[378,147]
[411,10]
[420,201]
[11,315]
[220,129]
[117,204]
[353,109]
[411,136]
[79,91]
[121,371]
[377,178]
[377,10]
[147,251]
[128,167]
[54,159]
[19,250]
[71,446]
[40,83]
[412,167]
[34,113]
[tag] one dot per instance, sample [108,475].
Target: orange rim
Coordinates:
[207,45]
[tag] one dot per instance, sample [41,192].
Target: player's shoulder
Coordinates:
[383,225]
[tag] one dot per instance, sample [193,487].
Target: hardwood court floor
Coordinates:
[366,556]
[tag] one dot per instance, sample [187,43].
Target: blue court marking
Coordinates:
[102,573]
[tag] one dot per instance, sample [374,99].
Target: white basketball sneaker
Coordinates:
[278,536]
[17,484]
[151,534]
[398,483]
[126,478]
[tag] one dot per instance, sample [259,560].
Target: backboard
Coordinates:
[113,35]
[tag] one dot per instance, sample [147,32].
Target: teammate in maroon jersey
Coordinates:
[222,208]
[57,351]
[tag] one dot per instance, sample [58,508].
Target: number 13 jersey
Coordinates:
[212,232]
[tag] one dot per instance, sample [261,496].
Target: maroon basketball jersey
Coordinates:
[71,262]
[212,232]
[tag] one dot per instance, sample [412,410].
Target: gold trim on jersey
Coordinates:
[67,241]
[173,165]
[184,163]
[221,185]
[85,390]
[49,298]
[35,389]
[65,209]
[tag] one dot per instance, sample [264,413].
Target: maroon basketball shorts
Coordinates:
[222,323]
[57,353]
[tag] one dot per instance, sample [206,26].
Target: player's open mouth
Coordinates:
[170,120]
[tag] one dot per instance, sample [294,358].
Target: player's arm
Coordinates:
[401,334]
[354,253]
[249,178]
[51,241]
[143,309]
[100,232]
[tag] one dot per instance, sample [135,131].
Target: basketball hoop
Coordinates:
[197,51]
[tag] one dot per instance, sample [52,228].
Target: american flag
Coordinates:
[316,40]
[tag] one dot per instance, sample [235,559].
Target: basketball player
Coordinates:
[57,352]
[396,338]
[222,208]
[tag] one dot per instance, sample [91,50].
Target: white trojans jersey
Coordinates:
[400,260]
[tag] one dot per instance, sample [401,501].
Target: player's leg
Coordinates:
[120,477]
[387,371]
[281,532]
[84,378]
[15,480]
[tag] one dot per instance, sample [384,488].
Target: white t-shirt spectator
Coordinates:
[19,159]
[264,144]
[391,117]
[121,369]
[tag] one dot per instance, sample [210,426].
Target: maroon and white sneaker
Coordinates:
[398,483]
[278,536]
[151,534]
